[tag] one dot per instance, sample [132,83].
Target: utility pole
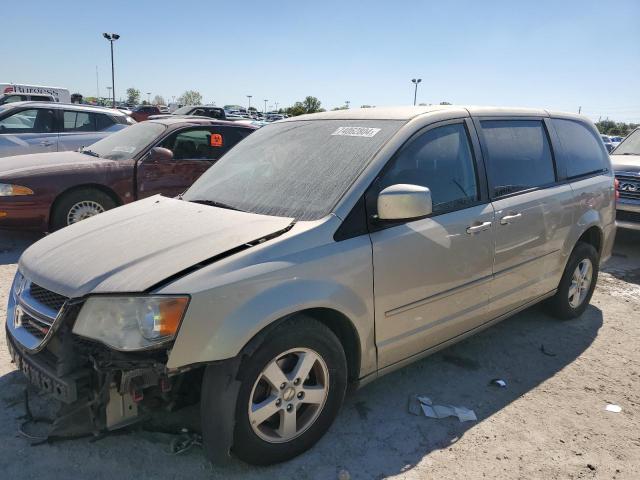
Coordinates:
[579,110]
[265,105]
[97,84]
[112,37]
[249,97]
[347,102]
[415,81]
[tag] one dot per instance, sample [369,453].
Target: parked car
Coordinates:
[48,191]
[323,251]
[626,163]
[142,112]
[34,127]
[615,140]
[607,142]
[196,110]
[15,92]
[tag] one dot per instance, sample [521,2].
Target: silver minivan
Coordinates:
[322,252]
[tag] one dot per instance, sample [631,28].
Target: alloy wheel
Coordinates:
[580,283]
[83,210]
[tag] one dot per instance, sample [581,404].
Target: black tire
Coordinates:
[64,204]
[300,332]
[559,305]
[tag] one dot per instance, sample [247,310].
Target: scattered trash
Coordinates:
[424,405]
[344,475]
[184,442]
[613,408]
[591,467]
[498,382]
[546,352]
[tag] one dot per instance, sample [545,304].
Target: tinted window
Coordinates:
[78,121]
[519,156]
[441,160]
[193,145]
[103,121]
[296,169]
[582,149]
[35,120]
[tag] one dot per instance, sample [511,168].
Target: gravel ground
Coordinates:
[549,422]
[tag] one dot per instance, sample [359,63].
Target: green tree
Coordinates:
[609,127]
[445,103]
[158,100]
[308,105]
[133,95]
[190,97]
[342,107]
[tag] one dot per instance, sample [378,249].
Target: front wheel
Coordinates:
[291,390]
[577,283]
[78,205]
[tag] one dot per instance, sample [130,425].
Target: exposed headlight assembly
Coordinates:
[9,190]
[133,322]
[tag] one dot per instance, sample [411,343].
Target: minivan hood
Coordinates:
[628,163]
[134,247]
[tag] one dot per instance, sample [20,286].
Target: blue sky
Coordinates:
[552,54]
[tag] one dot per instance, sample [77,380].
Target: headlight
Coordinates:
[8,190]
[131,323]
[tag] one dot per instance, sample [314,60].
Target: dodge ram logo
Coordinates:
[630,187]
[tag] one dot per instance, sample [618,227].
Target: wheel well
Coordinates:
[592,236]
[94,186]
[342,327]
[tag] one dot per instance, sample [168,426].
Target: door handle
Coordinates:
[478,228]
[510,218]
[46,143]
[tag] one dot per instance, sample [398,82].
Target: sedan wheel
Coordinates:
[83,210]
[288,395]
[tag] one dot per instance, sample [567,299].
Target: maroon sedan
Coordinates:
[142,112]
[48,191]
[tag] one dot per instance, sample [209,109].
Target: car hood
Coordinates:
[626,163]
[134,247]
[21,164]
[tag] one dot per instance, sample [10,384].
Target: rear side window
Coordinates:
[519,156]
[103,121]
[440,160]
[582,148]
[78,122]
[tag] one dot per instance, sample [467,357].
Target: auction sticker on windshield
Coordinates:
[356,132]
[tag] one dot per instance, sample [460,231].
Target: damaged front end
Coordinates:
[100,388]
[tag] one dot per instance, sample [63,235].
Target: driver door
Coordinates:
[194,151]
[432,276]
[31,130]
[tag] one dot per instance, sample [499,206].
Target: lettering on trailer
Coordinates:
[26,90]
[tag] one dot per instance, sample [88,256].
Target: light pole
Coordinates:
[347,102]
[109,89]
[112,37]
[416,81]
[276,107]
[265,105]
[149,98]
[249,97]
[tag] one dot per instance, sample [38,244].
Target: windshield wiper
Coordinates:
[89,152]
[213,203]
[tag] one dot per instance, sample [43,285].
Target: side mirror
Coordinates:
[160,155]
[404,202]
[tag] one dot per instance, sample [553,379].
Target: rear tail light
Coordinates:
[616,185]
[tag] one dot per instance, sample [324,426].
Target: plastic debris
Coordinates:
[613,408]
[498,382]
[344,475]
[419,404]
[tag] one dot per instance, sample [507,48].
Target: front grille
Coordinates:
[47,297]
[624,216]
[629,186]
[35,327]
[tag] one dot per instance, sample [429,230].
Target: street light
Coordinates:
[265,105]
[249,97]
[415,92]
[112,37]
[149,98]
[109,91]
[347,102]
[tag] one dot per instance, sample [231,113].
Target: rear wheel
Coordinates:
[577,283]
[79,205]
[291,390]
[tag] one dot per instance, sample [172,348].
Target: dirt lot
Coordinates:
[549,422]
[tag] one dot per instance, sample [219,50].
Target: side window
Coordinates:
[519,156]
[583,152]
[103,121]
[440,159]
[192,145]
[78,121]
[35,120]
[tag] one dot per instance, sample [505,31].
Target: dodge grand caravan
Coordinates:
[323,251]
